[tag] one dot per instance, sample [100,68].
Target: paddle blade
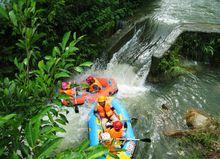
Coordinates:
[76,109]
[134,121]
[146,140]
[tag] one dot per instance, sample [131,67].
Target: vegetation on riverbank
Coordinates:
[200,47]
[203,142]
[96,20]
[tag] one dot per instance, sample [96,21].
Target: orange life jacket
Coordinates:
[64,102]
[69,92]
[115,134]
[110,146]
[105,111]
[96,83]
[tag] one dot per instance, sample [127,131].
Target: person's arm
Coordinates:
[113,109]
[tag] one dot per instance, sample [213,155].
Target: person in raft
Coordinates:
[111,136]
[66,89]
[94,85]
[105,112]
[117,130]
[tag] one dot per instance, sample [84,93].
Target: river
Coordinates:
[130,66]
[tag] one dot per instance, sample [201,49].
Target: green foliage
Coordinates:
[199,46]
[202,142]
[196,46]
[48,20]
[29,121]
[83,151]
[170,65]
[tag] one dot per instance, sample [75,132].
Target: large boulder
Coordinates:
[196,119]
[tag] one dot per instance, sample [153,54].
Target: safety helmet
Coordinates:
[89,79]
[101,99]
[117,125]
[65,85]
[105,136]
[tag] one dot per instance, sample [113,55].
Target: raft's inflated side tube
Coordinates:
[95,129]
[109,88]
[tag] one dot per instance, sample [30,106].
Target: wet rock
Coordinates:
[195,119]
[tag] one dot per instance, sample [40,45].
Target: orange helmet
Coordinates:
[117,125]
[89,79]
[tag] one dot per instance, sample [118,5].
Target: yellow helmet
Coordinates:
[102,99]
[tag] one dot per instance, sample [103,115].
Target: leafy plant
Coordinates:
[203,142]
[29,120]
[83,151]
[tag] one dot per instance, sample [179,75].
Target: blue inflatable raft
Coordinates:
[95,129]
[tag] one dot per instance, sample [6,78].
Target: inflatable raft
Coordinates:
[95,129]
[109,87]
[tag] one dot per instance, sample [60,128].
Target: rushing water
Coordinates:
[130,66]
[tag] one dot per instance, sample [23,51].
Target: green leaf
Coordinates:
[93,148]
[65,40]
[21,44]
[61,121]
[6,92]
[56,51]
[47,57]
[36,37]
[64,118]
[68,65]
[55,129]
[54,111]
[36,130]
[98,153]
[50,117]
[61,75]
[28,134]
[6,81]
[40,115]
[1,151]
[69,155]
[78,69]
[86,64]
[12,88]
[3,12]
[64,70]
[14,156]
[82,146]
[25,149]
[5,119]
[48,147]
[13,18]
[29,32]
[41,64]
[63,96]
[113,156]
[25,61]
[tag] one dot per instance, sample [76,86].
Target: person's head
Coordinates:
[117,125]
[65,85]
[90,80]
[102,100]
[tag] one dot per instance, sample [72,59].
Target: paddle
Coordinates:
[76,106]
[76,109]
[143,140]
